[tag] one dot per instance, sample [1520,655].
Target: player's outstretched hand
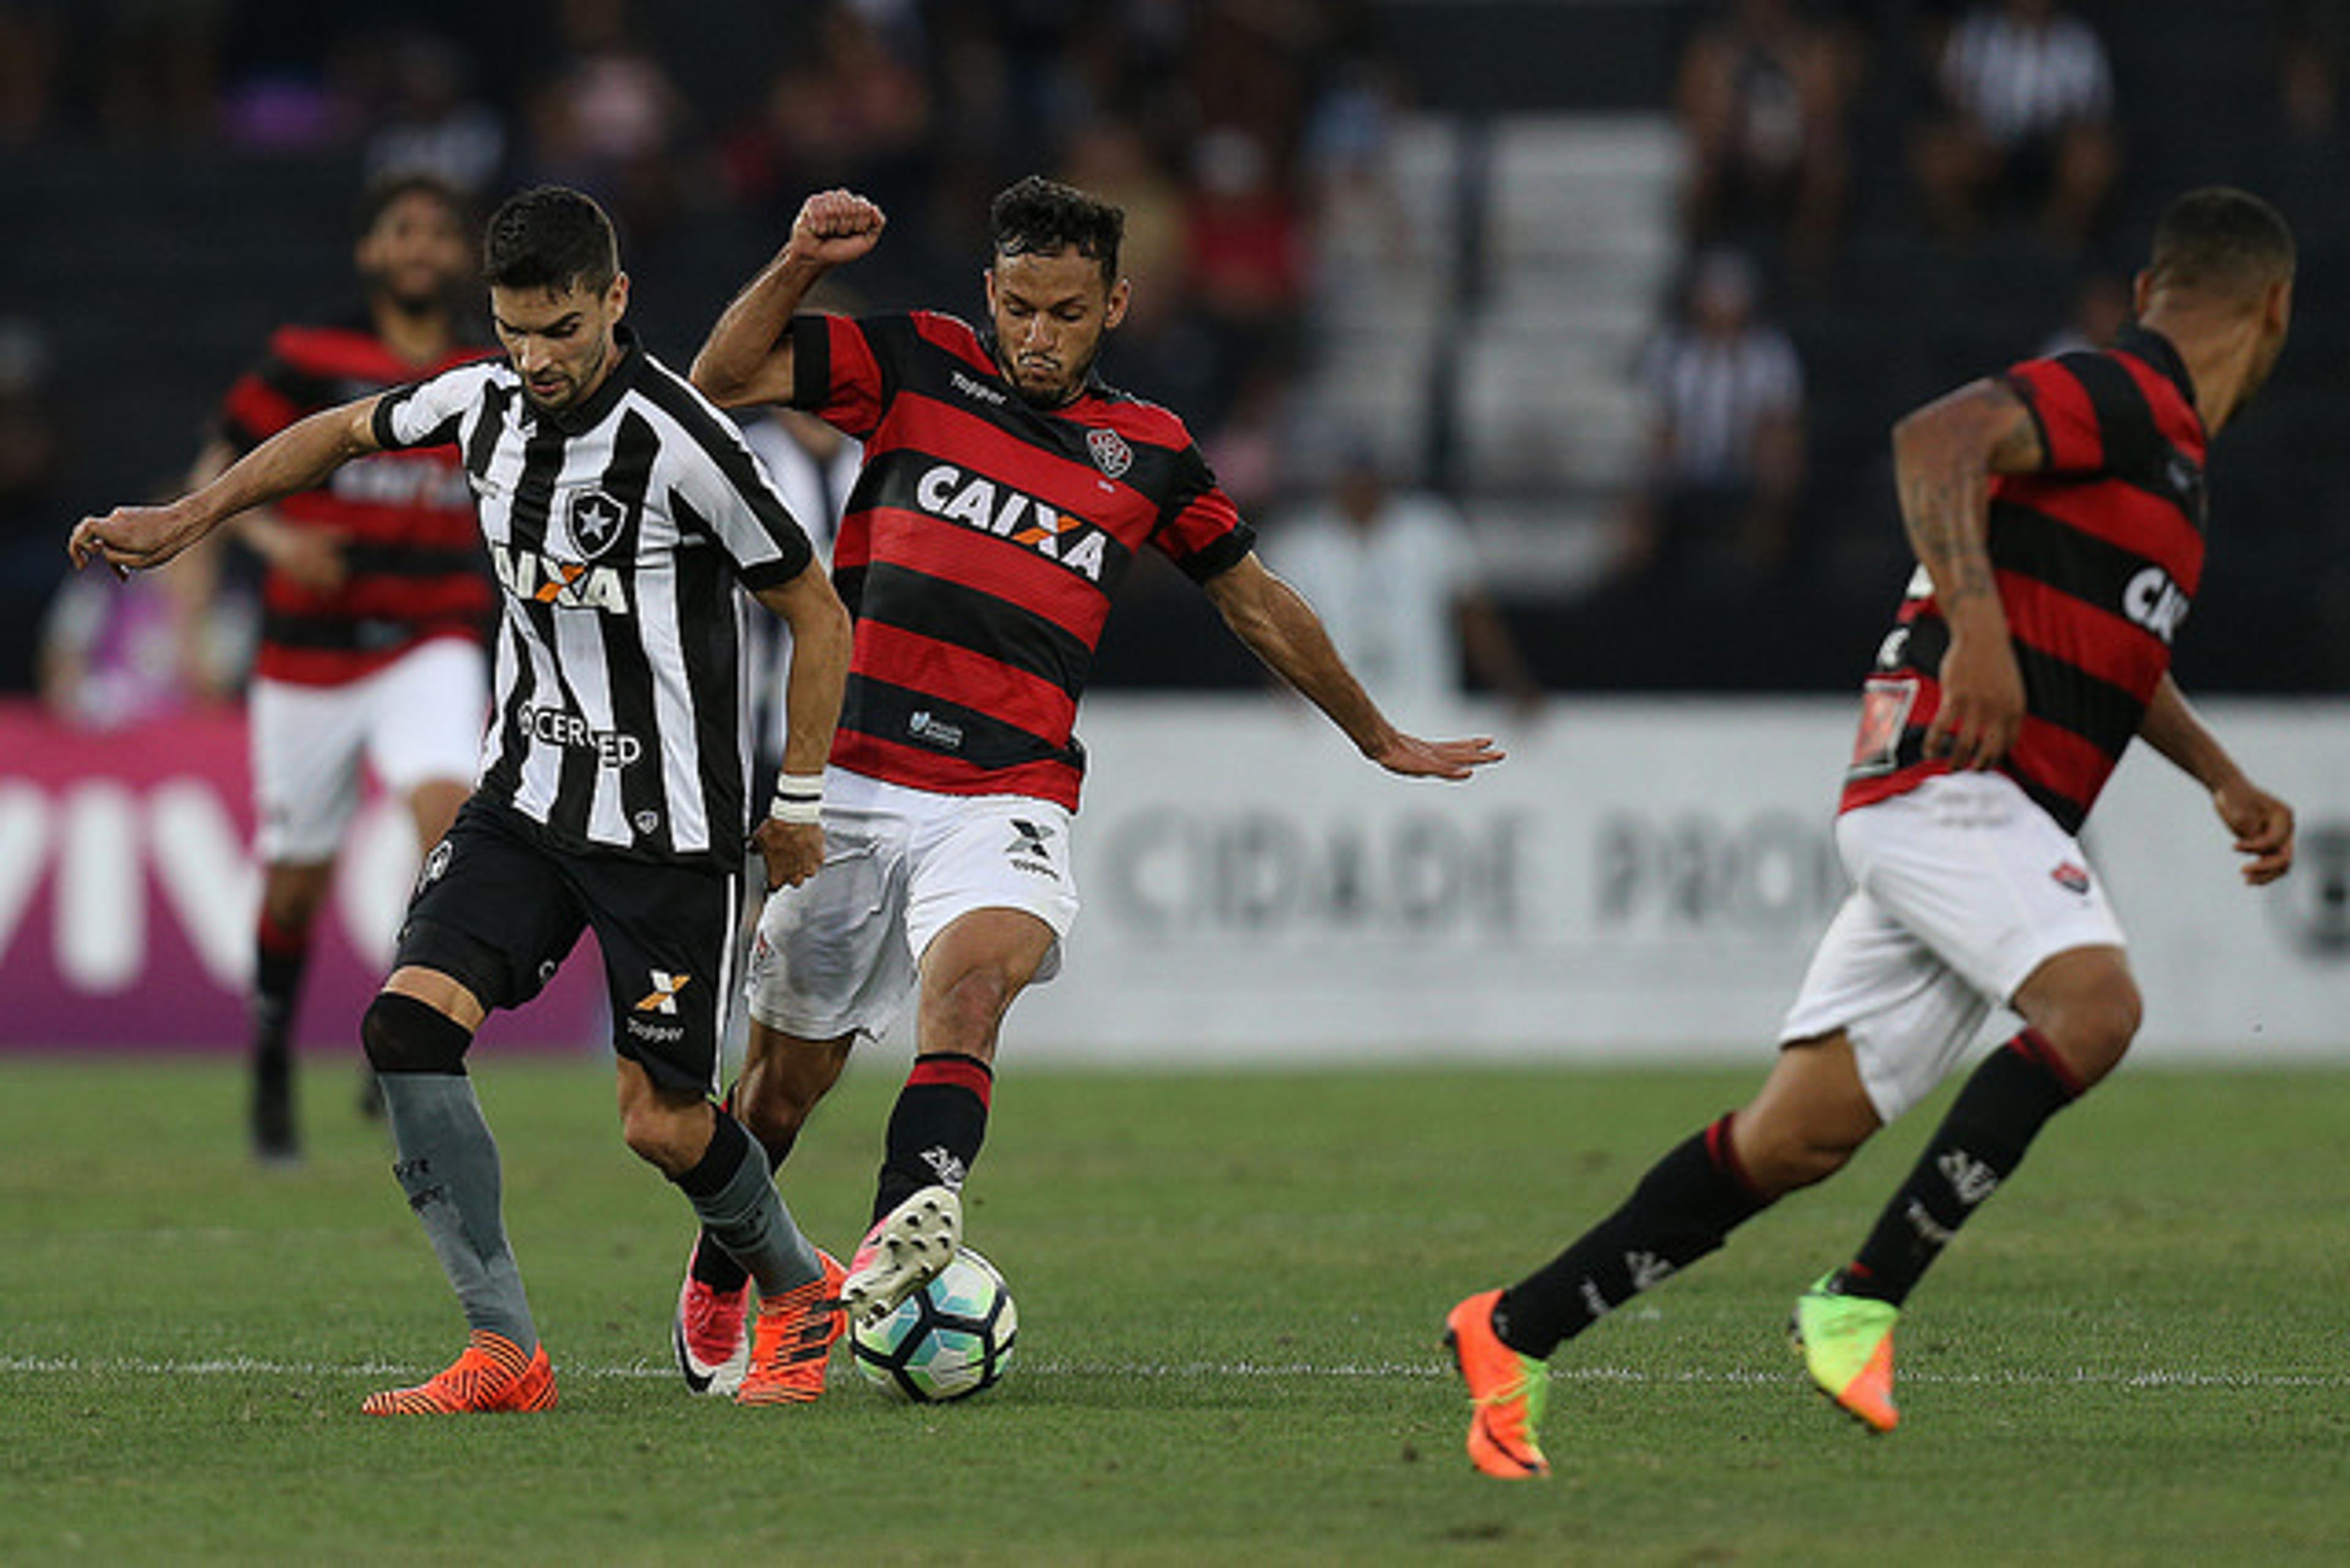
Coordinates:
[133,538]
[1982,704]
[793,851]
[2262,825]
[1415,758]
[833,227]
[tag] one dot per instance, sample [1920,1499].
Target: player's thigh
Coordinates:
[1985,878]
[1907,1015]
[994,853]
[830,957]
[305,742]
[425,713]
[492,910]
[667,932]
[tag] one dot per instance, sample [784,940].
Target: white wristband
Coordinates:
[799,798]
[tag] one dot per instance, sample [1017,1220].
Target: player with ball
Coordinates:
[1005,492]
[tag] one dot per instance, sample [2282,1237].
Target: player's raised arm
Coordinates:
[2261,822]
[1944,455]
[1281,629]
[747,358]
[297,458]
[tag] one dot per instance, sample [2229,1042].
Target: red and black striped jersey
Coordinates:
[982,545]
[412,548]
[2097,555]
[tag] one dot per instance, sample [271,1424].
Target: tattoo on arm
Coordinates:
[1946,454]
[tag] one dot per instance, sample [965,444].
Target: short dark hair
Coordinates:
[1043,217]
[379,194]
[550,237]
[2222,241]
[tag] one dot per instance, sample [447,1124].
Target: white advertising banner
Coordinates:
[1639,880]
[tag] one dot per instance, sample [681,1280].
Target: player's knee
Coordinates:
[968,1010]
[402,1034]
[669,1131]
[1790,1160]
[2094,1029]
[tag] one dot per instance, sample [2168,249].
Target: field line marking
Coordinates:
[2159,1377]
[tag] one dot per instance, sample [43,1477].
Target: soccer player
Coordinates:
[373,607]
[1004,493]
[2057,514]
[621,512]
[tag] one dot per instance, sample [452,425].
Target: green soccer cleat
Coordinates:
[1507,1390]
[1846,1344]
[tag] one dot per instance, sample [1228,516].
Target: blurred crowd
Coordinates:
[1978,173]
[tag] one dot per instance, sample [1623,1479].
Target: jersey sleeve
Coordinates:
[430,412]
[1199,529]
[2091,414]
[838,373]
[729,495]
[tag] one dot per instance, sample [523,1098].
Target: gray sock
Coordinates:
[449,1167]
[734,1193]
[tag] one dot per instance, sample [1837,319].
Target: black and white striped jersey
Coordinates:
[624,532]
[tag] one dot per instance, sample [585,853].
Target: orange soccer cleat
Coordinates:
[1507,1390]
[492,1374]
[795,1335]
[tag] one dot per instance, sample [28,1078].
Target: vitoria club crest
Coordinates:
[1112,454]
[595,519]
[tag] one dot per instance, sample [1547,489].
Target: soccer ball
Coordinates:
[947,1341]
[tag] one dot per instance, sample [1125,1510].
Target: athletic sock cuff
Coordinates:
[280,941]
[955,1068]
[2035,1048]
[1723,1151]
[730,1146]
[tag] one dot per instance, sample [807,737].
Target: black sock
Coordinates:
[712,1264]
[1979,1144]
[280,955]
[1683,1208]
[935,1131]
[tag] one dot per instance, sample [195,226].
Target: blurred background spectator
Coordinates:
[1761,95]
[1395,575]
[2027,95]
[1716,508]
[1443,232]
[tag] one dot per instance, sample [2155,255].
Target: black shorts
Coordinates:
[497,909]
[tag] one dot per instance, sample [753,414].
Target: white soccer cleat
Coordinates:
[905,1250]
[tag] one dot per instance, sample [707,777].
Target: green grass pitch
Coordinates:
[1230,1292]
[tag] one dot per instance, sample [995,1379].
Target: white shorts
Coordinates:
[840,953]
[1962,887]
[417,719]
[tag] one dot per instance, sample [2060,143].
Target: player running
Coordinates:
[374,605]
[1004,493]
[2057,514]
[625,518]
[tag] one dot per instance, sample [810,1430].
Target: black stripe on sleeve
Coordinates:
[387,435]
[2133,442]
[718,442]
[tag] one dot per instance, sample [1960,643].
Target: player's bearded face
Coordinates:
[416,253]
[562,345]
[1051,313]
